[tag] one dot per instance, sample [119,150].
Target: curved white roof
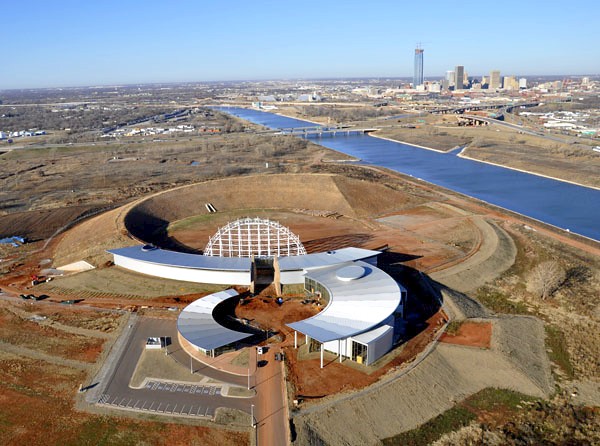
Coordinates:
[321,259]
[179,259]
[197,326]
[355,306]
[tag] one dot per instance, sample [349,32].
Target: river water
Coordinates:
[558,203]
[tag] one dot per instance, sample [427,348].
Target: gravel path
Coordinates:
[496,254]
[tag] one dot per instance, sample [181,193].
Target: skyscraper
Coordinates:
[418,76]
[459,76]
[451,78]
[494,80]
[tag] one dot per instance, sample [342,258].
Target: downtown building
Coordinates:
[418,69]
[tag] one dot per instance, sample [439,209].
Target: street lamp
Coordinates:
[252,416]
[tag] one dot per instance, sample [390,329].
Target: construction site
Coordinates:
[438,246]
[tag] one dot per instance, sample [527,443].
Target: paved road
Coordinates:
[270,412]
[165,396]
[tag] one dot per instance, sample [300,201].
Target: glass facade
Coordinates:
[418,75]
[314,287]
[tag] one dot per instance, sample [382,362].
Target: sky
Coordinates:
[62,43]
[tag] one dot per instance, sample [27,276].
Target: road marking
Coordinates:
[136,403]
[113,401]
[150,408]
[190,411]
[143,405]
[174,408]
[181,411]
[166,408]
[198,413]
[121,403]
[129,403]
[158,408]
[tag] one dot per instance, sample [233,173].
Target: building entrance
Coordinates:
[359,352]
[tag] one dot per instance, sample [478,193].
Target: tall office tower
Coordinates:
[450,77]
[459,76]
[418,76]
[494,80]
[510,83]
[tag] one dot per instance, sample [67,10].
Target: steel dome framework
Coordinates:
[257,237]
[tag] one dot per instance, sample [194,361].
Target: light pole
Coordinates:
[252,415]
[248,376]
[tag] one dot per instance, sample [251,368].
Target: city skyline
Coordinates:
[152,42]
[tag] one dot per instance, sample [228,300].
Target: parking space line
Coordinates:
[136,403]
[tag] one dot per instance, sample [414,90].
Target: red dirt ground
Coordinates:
[472,334]
[310,381]
[263,311]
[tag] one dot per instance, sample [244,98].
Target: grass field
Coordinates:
[495,404]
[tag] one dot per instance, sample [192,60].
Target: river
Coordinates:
[567,206]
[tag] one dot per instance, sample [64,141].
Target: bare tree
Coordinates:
[546,278]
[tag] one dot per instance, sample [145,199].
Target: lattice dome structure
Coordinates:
[257,237]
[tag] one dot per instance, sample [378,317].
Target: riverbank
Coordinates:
[552,201]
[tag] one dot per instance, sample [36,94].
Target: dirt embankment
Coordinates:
[147,219]
[494,255]
[448,375]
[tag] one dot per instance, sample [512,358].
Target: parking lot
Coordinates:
[164,396]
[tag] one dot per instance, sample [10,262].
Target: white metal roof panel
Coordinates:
[374,334]
[354,307]
[324,259]
[197,325]
[179,259]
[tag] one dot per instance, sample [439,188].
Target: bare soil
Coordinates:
[506,147]
[472,334]
[37,390]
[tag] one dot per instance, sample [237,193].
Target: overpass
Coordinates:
[319,130]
